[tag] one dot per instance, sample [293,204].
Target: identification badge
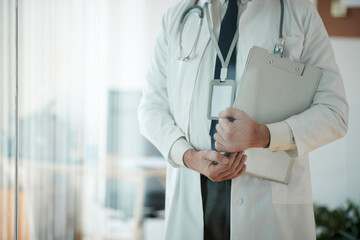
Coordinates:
[221,96]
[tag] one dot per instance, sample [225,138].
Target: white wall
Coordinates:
[335,167]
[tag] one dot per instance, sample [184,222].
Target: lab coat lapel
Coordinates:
[184,74]
[189,36]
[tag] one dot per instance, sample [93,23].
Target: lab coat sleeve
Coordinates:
[155,118]
[178,150]
[281,137]
[327,118]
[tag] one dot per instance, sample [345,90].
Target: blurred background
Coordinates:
[85,171]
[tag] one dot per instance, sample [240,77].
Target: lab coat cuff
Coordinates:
[178,150]
[281,137]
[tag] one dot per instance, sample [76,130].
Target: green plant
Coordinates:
[340,223]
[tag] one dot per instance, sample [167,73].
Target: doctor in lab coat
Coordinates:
[173,116]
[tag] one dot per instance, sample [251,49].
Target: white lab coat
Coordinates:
[174,105]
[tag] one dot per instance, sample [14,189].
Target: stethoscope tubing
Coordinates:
[183,18]
[279,47]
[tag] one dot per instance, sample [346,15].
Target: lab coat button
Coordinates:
[238,202]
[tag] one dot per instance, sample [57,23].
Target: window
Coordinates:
[84,166]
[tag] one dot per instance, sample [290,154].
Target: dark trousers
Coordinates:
[216,198]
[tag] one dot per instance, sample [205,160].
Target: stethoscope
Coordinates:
[195,9]
[200,12]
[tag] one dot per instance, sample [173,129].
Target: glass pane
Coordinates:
[85,170]
[7,122]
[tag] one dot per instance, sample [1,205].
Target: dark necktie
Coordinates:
[227,32]
[216,196]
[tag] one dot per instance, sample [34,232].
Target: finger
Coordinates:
[235,175]
[241,152]
[238,170]
[214,156]
[230,113]
[220,143]
[232,156]
[220,147]
[232,169]
[243,168]
[220,129]
[224,123]
[242,171]
[218,170]
[219,138]
[235,161]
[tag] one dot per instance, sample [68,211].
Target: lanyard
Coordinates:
[224,64]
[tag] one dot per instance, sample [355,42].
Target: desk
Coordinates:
[72,193]
[148,167]
[119,174]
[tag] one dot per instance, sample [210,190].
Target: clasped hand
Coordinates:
[233,137]
[226,168]
[240,134]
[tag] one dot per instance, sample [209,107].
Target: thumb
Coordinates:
[230,113]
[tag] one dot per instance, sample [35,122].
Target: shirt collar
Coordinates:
[243,2]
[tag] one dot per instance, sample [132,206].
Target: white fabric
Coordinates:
[281,137]
[174,105]
[178,150]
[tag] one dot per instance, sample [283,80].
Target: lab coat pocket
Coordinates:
[293,46]
[298,191]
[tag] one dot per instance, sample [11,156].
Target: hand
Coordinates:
[241,134]
[227,168]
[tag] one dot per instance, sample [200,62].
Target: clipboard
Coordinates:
[273,89]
